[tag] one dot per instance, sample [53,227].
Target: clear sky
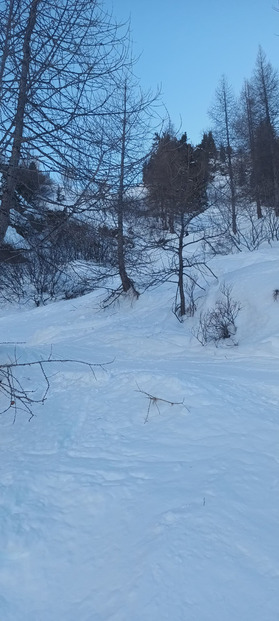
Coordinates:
[186,45]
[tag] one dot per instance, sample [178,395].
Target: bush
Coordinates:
[218,323]
[79,240]
[76,239]
[41,278]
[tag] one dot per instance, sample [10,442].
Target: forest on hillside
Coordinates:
[98,189]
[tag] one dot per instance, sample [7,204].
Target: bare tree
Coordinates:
[223,116]
[125,280]
[58,70]
[266,93]
[246,129]
[132,121]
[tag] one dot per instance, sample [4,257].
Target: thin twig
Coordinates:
[154,401]
[18,396]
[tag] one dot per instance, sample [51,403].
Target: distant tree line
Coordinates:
[246,133]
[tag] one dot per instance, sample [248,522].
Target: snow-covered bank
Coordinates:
[106,518]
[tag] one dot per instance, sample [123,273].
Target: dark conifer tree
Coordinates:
[176,177]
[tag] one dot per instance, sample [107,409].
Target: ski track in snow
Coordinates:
[106,517]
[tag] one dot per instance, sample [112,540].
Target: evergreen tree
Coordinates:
[209,147]
[176,176]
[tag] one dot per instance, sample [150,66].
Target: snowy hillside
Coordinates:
[119,507]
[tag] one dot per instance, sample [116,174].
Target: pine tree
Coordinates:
[176,176]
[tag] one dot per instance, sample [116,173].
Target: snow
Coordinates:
[106,517]
[13,238]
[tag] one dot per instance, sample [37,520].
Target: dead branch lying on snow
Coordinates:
[154,401]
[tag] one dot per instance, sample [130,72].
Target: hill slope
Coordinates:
[117,507]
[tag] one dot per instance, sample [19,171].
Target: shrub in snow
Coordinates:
[218,323]
[40,278]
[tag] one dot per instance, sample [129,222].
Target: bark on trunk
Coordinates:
[11,174]
[127,283]
[259,209]
[231,174]
[5,50]
[180,270]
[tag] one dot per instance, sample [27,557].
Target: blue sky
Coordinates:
[186,45]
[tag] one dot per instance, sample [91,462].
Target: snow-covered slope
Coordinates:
[111,510]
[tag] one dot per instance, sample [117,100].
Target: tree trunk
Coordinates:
[11,175]
[5,50]
[270,125]
[251,132]
[127,283]
[231,174]
[258,203]
[181,270]
[233,197]
[275,176]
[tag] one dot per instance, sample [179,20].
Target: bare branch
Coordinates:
[15,393]
[152,400]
